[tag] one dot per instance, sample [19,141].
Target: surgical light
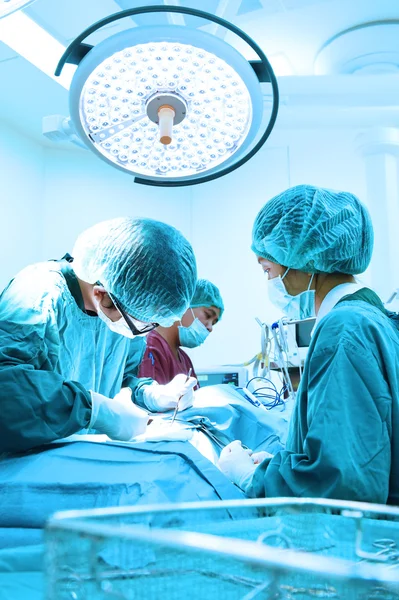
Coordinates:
[9,6]
[170,104]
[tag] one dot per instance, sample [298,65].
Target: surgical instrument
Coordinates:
[180,397]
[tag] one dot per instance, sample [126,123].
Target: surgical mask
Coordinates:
[194,335]
[119,326]
[301,306]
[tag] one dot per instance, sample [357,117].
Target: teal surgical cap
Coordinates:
[207,294]
[149,267]
[315,230]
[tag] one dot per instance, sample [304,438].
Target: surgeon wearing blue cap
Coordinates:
[343,439]
[71,334]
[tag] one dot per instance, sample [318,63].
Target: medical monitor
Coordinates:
[303,330]
[236,376]
[298,339]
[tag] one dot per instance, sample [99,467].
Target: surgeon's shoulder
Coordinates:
[155,342]
[356,323]
[37,285]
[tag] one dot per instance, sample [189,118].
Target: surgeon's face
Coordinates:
[109,308]
[295,281]
[270,268]
[208,315]
[106,304]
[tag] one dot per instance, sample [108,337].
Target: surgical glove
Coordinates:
[237,464]
[258,457]
[119,418]
[165,397]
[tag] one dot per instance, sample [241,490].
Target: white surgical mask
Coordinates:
[194,335]
[301,306]
[119,326]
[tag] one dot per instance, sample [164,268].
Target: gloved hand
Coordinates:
[117,417]
[237,464]
[165,397]
[258,457]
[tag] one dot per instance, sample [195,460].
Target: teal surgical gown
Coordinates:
[52,354]
[343,440]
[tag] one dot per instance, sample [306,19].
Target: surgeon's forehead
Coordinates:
[215,311]
[267,263]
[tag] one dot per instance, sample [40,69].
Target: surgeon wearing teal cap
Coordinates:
[164,356]
[71,334]
[344,433]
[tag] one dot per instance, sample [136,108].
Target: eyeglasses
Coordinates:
[129,320]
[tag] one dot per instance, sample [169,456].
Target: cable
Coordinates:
[280,358]
[274,337]
[262,364]
[276,398]
[261,360]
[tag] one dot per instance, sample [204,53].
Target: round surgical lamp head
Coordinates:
[169,104]
[9,6]
[166,102]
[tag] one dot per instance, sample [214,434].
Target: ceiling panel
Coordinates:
[66,19]
[295,28]
[160,18]
[6,53]
[298,4]
[248,6]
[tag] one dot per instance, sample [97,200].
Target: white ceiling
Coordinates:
[294,29]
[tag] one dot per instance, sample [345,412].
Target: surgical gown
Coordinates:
[52,354]
[344,435]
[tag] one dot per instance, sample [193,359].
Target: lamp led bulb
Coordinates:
[121,99]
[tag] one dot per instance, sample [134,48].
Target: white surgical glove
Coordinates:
[119,418]
[160,398]
[237,464]
[258,457]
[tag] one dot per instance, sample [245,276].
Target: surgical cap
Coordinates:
[315,230]
[149,266]
[207,294]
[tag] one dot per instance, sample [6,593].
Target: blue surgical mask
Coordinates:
[301,306]
[194,335]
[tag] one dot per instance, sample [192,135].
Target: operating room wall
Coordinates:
[49,195]
[81,190]
[21,185]
[217,217]
[223,215]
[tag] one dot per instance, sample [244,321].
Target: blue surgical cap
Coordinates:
[148,266]
[315,230]
[207,294]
